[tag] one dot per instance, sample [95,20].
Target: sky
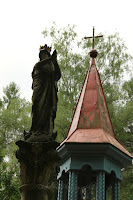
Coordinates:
[22,23]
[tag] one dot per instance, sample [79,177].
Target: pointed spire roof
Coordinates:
[91,121]
[92,111]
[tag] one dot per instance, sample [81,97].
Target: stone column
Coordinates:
[60,190]
[73,185]
[116,189]
[38,166]
[100,186]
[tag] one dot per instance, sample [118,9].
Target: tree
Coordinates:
[9,181]
[125,116]
[14,118]
[14,114]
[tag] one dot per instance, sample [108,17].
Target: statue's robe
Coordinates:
[45,76]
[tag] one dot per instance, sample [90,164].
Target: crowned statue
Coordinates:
[45,75]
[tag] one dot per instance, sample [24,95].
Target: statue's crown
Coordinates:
[45,47]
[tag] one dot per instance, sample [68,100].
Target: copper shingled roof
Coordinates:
[91,122]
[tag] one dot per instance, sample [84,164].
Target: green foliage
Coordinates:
[128,89]
[9,182]
[14,118]
[127,184]
[14,114]
[10,92]
[124,116]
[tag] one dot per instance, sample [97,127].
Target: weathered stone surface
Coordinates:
[45,75]
[38,165]
[37,155]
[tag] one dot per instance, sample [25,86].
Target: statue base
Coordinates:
[38,167]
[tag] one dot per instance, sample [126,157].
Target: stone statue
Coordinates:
[37,154]
[45,75]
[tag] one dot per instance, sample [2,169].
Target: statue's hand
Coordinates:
[54,56]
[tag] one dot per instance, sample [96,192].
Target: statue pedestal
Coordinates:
[38,167]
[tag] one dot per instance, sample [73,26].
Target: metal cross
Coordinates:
[93,37]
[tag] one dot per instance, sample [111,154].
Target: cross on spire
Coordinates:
[93,37]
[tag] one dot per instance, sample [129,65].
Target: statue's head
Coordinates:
[44,52]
